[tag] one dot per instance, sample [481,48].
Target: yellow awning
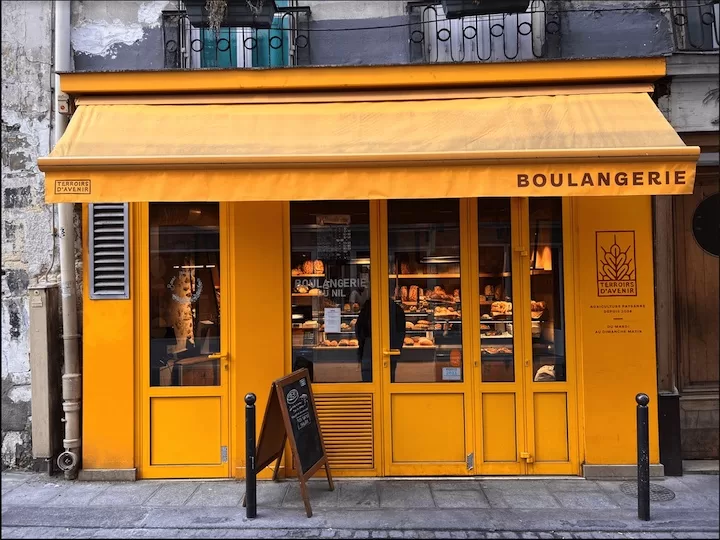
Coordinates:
[412,145]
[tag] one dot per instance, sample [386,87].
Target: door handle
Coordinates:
[217,356]
[392,352]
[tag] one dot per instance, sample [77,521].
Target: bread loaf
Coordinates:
[413,293]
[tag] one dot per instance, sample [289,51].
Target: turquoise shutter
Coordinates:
[265,55]
[224,56]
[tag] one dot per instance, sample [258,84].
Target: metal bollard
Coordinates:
[643,457]
[250,479]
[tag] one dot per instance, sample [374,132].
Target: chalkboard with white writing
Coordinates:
[305,429]
[291,399]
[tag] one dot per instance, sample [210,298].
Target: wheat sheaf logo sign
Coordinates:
[615,258]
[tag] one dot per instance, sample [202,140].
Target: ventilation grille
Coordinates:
[347,427]
[109,253]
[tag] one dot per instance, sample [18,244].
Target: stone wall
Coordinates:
[28,250]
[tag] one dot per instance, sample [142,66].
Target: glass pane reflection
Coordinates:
[547,295]
[330,290]
[497,336]
[425,309]
[184,294]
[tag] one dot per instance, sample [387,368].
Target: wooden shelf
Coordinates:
[491,275]
[424,276]
[307,275]
[307,295]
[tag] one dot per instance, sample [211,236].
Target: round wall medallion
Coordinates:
[706,225]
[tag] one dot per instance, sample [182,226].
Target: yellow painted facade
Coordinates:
[512,428]
[498,422]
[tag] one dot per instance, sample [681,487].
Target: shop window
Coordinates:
[425,310]
[184,294]
[547,295]
[497,336]
[330,290]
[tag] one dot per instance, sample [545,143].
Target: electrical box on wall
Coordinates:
[46,374]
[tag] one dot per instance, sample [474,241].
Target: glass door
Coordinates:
[525,405]
[185,410]
[549,388]
[425,381]
[500,404]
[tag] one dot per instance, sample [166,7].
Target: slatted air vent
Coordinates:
[347,428]
[109,252]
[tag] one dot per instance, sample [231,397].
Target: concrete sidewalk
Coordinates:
[38,506]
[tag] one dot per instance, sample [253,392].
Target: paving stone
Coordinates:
[410,534]
[172,494]
[270,494]
[460,499]
[358,494]
[571,485]
[523,486]
[126,493]
[685,499]
[361,534]
[523,500]
[400,494]
[379,534]
[395,534]
[318,492]
[455,485]
[217,494]
[585,499]
[79,494]
[33,493]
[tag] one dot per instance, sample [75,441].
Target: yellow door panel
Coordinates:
[427,428]
[182,342]
[499,421]
[185,431]
[550,426]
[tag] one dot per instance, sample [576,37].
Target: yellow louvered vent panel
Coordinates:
[347,427]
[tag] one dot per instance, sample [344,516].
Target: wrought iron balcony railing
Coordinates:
[498,37]
[286,43]
[696,24]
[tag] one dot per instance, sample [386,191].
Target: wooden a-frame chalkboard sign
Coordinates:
[291,415]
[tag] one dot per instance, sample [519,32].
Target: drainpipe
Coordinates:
[69,460]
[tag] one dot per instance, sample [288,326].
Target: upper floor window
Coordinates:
[285,43]
[696,24]
[496,37]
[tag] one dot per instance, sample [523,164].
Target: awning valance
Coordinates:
[412,146]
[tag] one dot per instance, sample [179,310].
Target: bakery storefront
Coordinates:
[461,256]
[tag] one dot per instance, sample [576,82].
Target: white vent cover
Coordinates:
[109,251]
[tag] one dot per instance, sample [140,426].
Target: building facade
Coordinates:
[141,36]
